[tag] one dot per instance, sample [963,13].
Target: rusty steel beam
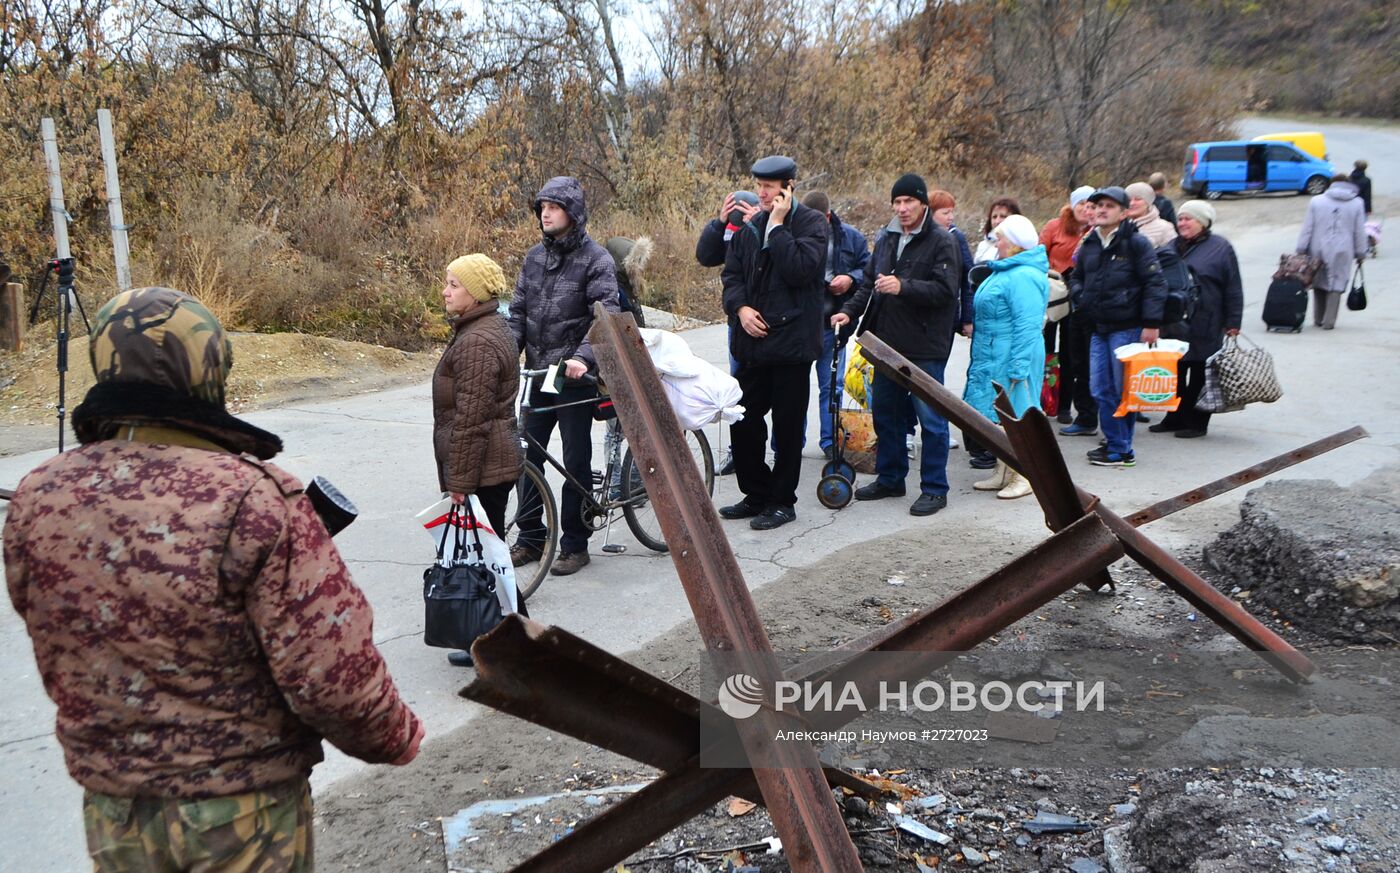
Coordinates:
[550,677]
[1044,465]
[1164,508]
[803,810]
[1200,593]
[958,624]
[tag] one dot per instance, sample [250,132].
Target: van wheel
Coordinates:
[1316,185]
[1212,194]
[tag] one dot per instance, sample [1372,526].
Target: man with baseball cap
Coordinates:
[1118,287]
[909,298]
[773,294]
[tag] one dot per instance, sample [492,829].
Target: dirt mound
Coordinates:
[1326,557]
[267,369]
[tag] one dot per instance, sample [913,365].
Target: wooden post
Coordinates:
[12,317]
[120,248]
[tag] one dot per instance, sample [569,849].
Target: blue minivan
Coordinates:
[1215,168]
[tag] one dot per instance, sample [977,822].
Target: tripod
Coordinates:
[67,299]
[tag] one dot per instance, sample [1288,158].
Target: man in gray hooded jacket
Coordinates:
[550,314]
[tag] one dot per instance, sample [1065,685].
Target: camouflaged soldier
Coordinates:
[190,616]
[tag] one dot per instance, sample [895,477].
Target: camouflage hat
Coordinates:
[160,336]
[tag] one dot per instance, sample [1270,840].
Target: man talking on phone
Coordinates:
[773,294]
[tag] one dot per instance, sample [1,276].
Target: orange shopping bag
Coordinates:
[1149,376]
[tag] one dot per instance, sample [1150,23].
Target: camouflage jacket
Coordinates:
[193,621]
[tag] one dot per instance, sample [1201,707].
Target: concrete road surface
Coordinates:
[376,448]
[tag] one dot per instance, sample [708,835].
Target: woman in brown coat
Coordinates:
[475,440]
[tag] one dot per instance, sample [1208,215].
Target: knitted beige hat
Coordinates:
[481,276]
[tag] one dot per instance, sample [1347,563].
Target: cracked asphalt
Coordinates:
[377,449]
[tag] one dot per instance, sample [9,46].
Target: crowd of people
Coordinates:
[184,750]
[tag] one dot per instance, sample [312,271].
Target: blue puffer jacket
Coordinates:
[1008,346]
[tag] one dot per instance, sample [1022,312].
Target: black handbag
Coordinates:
[459,601]
[1356,297]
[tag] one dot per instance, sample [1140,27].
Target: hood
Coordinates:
[568,193]
[1342,191]
[1035,257]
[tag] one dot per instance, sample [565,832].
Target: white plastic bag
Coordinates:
[698,391]
[496,555]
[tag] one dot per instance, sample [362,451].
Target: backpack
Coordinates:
[1183,291]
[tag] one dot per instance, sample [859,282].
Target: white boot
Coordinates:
[1016,486]
[997,480]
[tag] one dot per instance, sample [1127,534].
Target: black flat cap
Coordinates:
[774,167]
[1112,192]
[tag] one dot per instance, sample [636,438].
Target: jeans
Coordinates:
[782,389]
[823,367]
[576,430]
[1106,381]
[895,411]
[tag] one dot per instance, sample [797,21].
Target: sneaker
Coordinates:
[1190,434]
[876,491]
[773,516]
[742,509]
[953,442]
[928,504]
[460,659]
[1105,458]
[569,563]
[827,452]
[521,554]
[982,461]
[727,468]
[1078,429]
[1065,417]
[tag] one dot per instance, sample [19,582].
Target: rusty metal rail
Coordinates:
[958,624]
[803,810]
[1164,508]
[1200,593]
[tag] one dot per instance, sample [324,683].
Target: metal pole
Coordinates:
[63,263]
[121,250]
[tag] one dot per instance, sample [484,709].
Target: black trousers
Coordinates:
[1074,369]
[783,390]
[576,429]
[494,499]
[1190,380]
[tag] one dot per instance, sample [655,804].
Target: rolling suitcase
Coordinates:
[1286,305]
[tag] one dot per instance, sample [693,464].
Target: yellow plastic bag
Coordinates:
[859,374]
[1149,376]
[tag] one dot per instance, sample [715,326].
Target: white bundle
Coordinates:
[698,391]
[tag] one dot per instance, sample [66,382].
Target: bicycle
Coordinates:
[616,489]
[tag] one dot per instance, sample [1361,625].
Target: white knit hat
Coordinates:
[1080,194]
[1019,231]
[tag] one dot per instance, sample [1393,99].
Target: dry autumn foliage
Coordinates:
[310,165]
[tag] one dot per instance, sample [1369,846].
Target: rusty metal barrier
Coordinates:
[552,678]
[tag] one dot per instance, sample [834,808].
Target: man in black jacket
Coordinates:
[562,277]
[910,299]
[1117,285]
[773,292]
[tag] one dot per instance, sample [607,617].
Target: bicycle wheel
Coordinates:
[533,497]
[636,505]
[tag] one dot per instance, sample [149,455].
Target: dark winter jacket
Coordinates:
[849,255]
[712,245]
[1120,287]
[559,282]
[474,435]
[965,310]
[1220,306]
[1165,208]
[1363,187]
[917,322]
[783,282]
